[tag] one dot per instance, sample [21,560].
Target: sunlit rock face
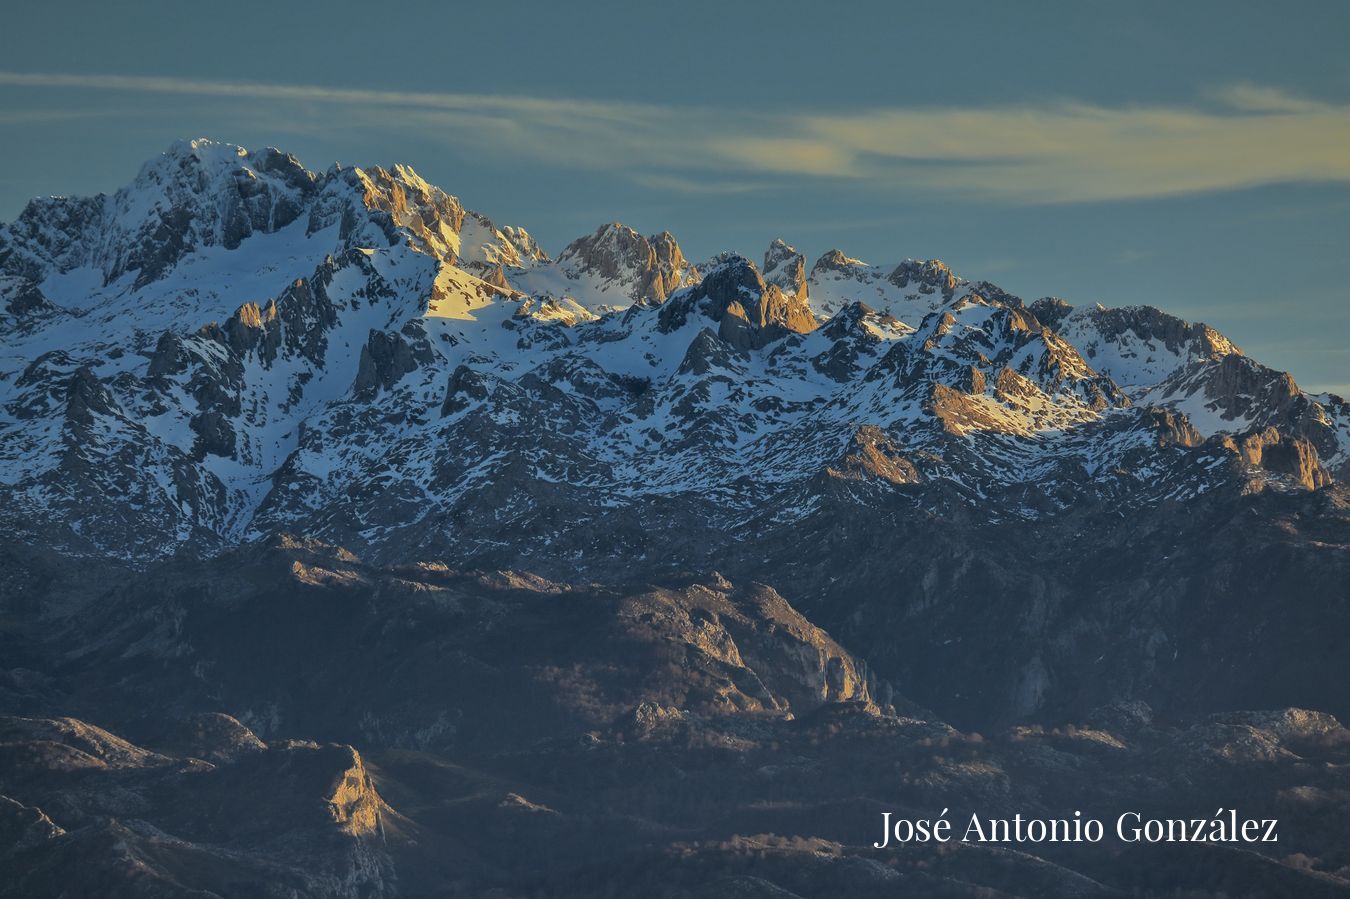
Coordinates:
[749,313]
[785,268]
[624,267]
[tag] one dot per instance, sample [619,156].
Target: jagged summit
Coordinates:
[903,289]
[233,345]
[786,268]
[834,261]
[196,194]
[617,267]
[750,313]
[214,154]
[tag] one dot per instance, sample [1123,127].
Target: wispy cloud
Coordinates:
[38,116]
[694,185]
[265,91]
[1255,98]
[1062,151]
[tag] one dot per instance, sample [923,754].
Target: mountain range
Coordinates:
[289,454]
[233,345]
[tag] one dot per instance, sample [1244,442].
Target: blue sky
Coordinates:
[1197,159]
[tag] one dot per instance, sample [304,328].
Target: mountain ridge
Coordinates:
[248,309]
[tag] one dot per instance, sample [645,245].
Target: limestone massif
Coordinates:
[381,539]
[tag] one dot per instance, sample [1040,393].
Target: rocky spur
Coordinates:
[1225,826]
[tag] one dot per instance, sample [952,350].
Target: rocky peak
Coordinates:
[1232,393]
[613,251]
[190,167]
[707,353]
[154,824]
[749,312]
[733,280]
[1278,453]
[1171,428]
[212,736]
[52,234]
[1050,311]
[1148,323]
[671,272]
[431,217]
[856,334]
[647,269]
[785,268]
[527,247]
[1138,346]
[835,261]
[23,298]
[437,223]
[201,194]
[384,360]
[196,194]
[973,342]
[929,275]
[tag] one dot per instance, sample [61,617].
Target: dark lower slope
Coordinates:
[85,813]
[1228,600]
[669,804]
[299,637]
[515,737]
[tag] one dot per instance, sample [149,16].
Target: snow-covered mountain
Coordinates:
[233,345]
[625,557]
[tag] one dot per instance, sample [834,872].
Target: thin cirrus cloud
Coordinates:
[1060,151]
